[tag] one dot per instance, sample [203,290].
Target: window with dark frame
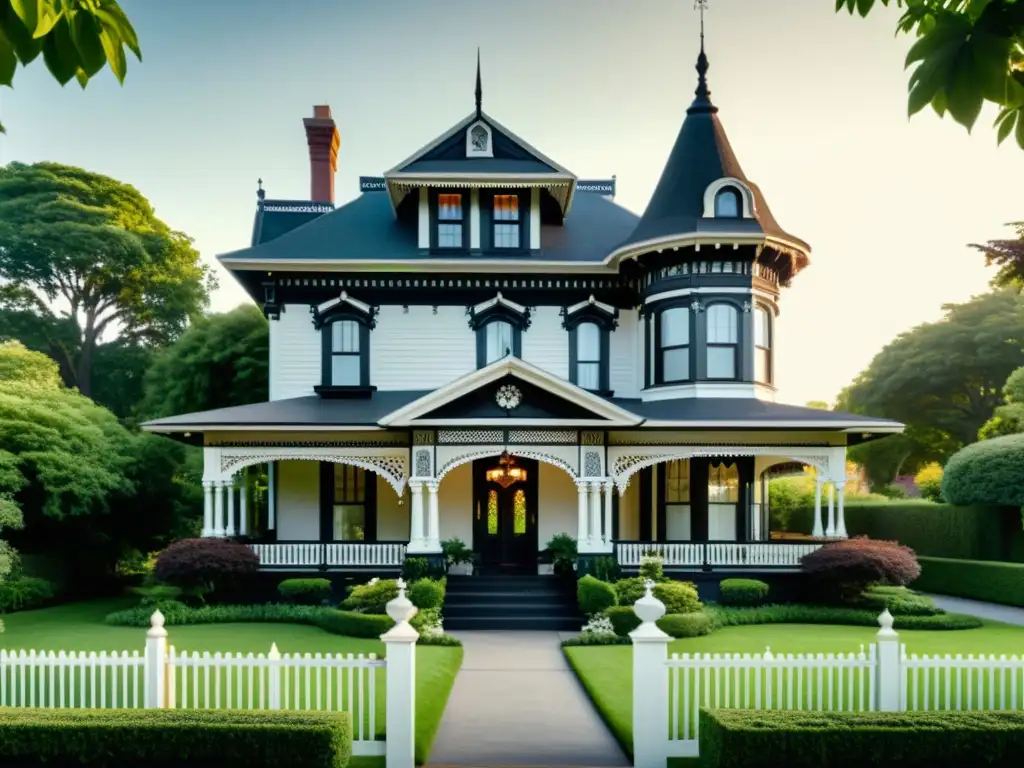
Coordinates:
[507,228]
[346,367]
[499,340]
[722,341]
[678,522]
[588,356]
[762,345]
[673,345]
[727,203]
[349,502]
[450,218]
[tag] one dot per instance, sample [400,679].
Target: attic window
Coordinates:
[478,138]
[727,203]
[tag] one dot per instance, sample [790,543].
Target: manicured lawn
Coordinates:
[80,627]
[607,675]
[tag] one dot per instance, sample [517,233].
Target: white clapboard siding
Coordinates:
[418,349]
[546,342]
[626,355]
[296,356]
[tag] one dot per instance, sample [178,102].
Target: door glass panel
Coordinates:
[492,513]
[519,513]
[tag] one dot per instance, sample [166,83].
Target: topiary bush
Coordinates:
[305,591]
[678,596]
[652,566]
[686,624]
[594,596]
[989,472]
[204,566]
[623,619]
[427,594]
[743,592]
[842,570]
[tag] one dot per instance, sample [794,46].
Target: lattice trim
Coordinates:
[391,468]
[484,453]
[457,436]
[542,436]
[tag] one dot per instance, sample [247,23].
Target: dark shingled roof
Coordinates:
[478,165]
[272,224]
[701,155]
[743,409]
[366,228]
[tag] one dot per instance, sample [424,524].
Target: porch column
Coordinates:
[243,504]
[582,534]
[609,486]
[207,508]
[229,487]
[433,518]
[595,514]
[818,531]
[416,516]
[831,529]
[271,496]
[218,508]
[841,519]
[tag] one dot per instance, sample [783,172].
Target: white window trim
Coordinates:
[746,197]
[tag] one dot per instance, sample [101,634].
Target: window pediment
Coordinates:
[592,311]
[344,306]
[498,308]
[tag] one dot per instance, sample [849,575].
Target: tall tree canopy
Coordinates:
[76,38]
[218,362]
[1008,255]
[943,379]
[967,52]
[86,255]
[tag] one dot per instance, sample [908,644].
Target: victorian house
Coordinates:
[482,346]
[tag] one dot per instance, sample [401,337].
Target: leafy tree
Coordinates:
[929,481]
[220,361]
[95,246]
[1009,418]
[941,379]
[967,52]
[77,38]
[820,405]
[1008,255]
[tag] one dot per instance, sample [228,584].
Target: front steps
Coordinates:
[511,602]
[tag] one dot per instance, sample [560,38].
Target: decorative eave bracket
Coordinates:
[501,306]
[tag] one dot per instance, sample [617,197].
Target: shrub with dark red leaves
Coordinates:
[844,569]
[200,566]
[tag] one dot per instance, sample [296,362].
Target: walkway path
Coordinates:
[1005,613]
[517,702]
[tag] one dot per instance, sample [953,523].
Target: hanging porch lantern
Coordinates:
[506,473]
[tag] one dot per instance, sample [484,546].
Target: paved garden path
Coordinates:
[1005,613]
[516,702]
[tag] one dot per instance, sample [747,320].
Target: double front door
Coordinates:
[505,518]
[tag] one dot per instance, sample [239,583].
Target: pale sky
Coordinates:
[814,104]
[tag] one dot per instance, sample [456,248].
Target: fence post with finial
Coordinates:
[887,684]
[156,663]
[400,676]
[650,683]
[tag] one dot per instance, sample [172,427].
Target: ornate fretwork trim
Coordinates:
[485,453]
[499,306]
[392,443]
[457,436]
[592,438]
[391,468]
[423,437]
[542,436]
[344,304]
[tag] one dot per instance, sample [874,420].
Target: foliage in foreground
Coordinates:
[843,570]
[152,737]
[752,738]
[799,613]
[988,472]
[967,52]
[205,565]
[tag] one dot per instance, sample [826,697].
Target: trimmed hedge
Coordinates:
[594,596]
[987,472]
[932,530]
[741,738]
[305,591]
[147,738]
[744,592]
[799,613]
[686,624]
[975,579]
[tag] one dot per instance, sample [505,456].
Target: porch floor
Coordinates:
[517,702]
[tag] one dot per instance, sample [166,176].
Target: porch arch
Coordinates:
[485,452]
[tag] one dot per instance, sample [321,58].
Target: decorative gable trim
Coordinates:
[344,305]
[593,310]
[517,314]
[479,140]
[605,414]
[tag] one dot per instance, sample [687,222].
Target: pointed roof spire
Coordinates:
[479,84]
[702,102]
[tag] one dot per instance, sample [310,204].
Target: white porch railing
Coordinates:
[717,554]
[319,555]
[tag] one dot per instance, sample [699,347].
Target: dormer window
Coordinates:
[499,325]
[450,221]
[507,226]
[727,203]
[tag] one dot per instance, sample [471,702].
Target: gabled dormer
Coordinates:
[479,188]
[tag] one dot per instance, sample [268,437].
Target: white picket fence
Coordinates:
[163,678]
[669,691]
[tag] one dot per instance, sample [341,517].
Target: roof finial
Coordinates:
[479,84]
[703,101]
[260,193]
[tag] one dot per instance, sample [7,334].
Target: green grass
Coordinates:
[607,675]
[80,627]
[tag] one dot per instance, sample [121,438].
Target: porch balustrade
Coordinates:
[720,554]
[318,555]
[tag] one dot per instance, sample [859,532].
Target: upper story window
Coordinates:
[762,345]
[722,341]
[346,353]
[344,324]
[588,356]
[450,221]
[499,340]
[507,225]
[727,203]
[673,354]
[590,324]
[499,324]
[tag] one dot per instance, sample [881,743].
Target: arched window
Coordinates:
[673,362]
[762,345]
[727,203]
[722,341]
[499,340]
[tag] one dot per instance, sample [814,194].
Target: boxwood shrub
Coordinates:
[623,619]
[746,592]
[975,579]
[147,738]
[594,596]
[803,739]
[305,591]
[987,472]
[24,593]
[799,613]
[686,624]
[678,596]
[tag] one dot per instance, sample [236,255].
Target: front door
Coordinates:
[505,519]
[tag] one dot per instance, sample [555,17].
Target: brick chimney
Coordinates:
[323,139]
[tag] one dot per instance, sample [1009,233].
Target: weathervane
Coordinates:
[702,60]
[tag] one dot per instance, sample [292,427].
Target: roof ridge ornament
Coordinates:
[479,86]
[703,101]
